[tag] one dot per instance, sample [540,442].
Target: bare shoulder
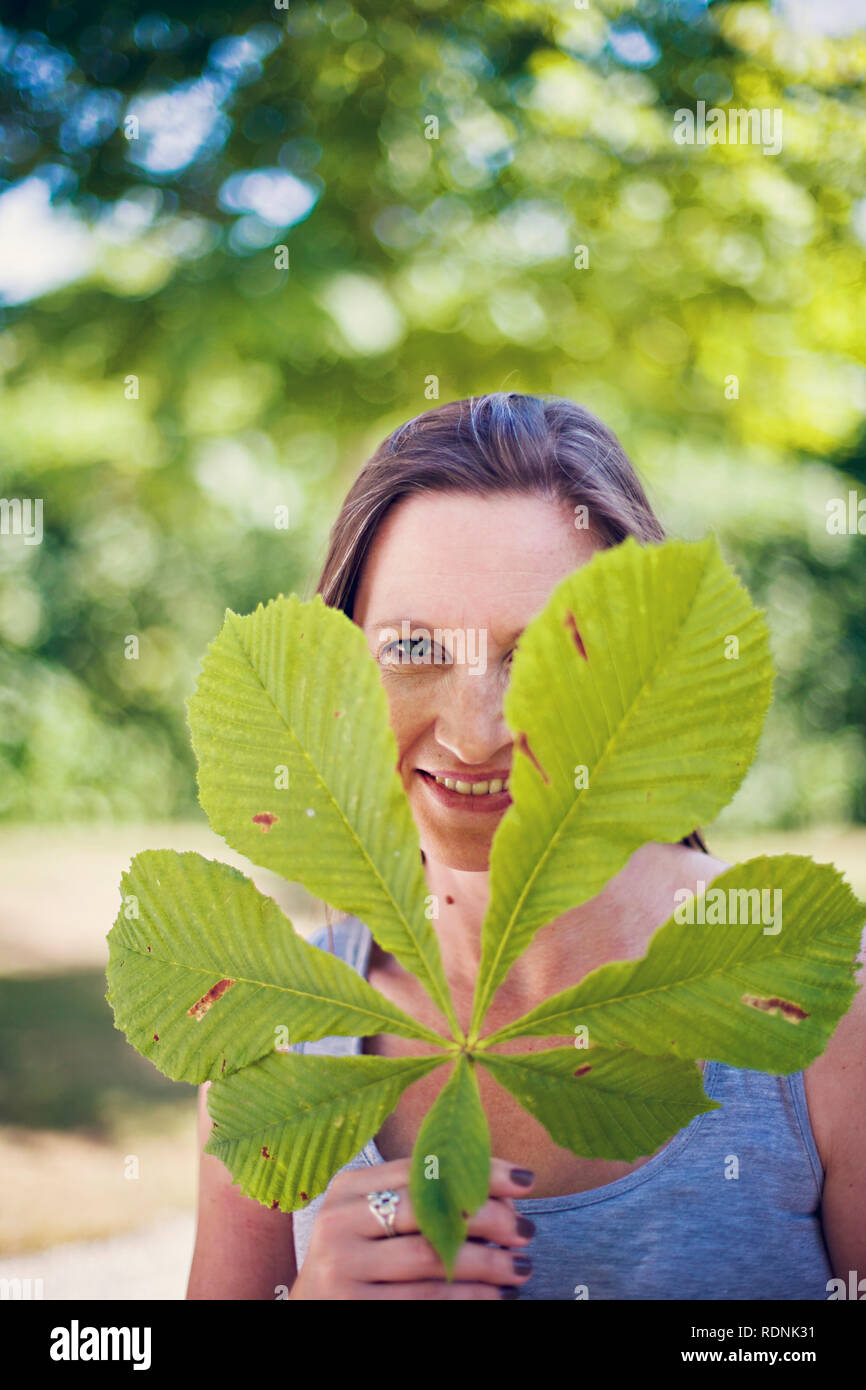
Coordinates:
[675,867]
[842,1065]
[705,866]
[647,892]
[835,1086]
[836,1081]
[686,863]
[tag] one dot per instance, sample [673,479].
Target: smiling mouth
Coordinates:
[491,787]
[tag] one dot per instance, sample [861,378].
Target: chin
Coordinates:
[456,851]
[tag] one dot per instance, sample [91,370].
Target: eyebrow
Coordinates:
[418,623]
[398,622]
[415,624]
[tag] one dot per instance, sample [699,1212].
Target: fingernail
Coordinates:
[509,1291]
[522,1264]
[525,1227]
[524,1177]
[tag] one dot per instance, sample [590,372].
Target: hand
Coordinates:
[351,1256]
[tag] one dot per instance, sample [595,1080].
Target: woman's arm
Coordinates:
[843,1206]
[242,1249]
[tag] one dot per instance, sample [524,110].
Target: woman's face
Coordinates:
[450,582]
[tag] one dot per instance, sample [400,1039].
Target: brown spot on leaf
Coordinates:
[523,745]
[304,1197]
[156,1037]
[223,1067]
[576,637]
[337,713]
[265,819]
[201,1006]
[581,1071]
[792,1012]
[148,948]
[265,1153]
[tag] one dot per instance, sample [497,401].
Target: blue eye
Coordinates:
[413,651]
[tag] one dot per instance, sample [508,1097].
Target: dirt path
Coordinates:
[151,1263]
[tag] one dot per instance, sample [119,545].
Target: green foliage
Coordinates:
[648,670]
[454,1134]
[203,929]
[279,707]
[625,1103]
[451,258]
[682,987]
[662,730]
[282,1124]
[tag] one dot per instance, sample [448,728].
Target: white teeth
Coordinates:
[473,788]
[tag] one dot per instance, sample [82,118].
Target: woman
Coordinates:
[464,520]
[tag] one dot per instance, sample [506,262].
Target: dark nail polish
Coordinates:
[525,1227]
[522,1264]
[524,1177]
[509,1291]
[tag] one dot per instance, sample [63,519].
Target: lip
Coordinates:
[488,802]
[460,774]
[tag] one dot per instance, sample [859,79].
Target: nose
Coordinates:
[470,722]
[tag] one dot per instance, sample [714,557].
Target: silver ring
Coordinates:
[383,1205]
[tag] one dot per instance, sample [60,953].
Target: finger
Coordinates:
[499,1222]
[507,1180]
[413,1258]
[494,1221]
[378,1176]
[433,1289]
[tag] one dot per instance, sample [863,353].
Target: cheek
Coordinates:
[409,711]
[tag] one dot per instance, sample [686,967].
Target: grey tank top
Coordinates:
[677,1228]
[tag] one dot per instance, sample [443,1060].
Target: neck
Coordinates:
[576,942]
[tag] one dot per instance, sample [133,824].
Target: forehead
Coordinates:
[455,559]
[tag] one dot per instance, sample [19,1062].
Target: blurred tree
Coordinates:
[247,247]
